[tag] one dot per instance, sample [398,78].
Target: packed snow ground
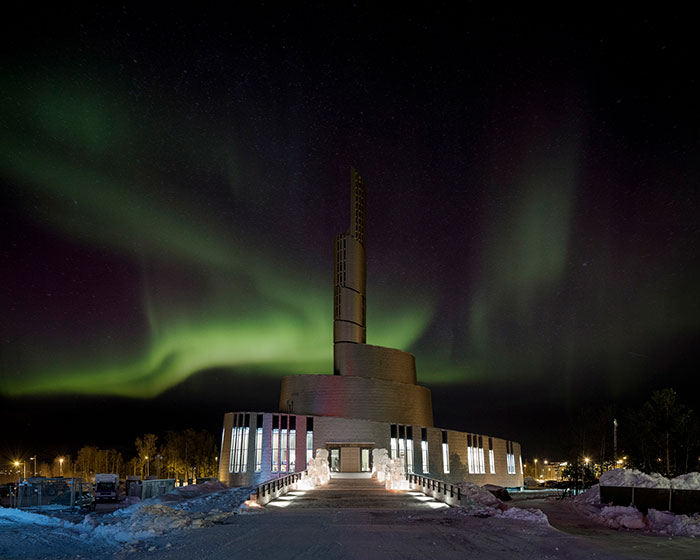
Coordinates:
[620,517]
[159,527]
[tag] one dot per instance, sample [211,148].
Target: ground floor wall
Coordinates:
[257,447]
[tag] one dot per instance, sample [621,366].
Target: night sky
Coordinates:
[171,184]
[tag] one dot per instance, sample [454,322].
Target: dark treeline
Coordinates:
[183,455]
[660,435]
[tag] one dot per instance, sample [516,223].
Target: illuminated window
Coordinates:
[221,452]
[520,458]
[510,457]
[292,443]
[424,450]
[233,450]
[409,449]
[470,465]
[394,445]
[482,468]
[244,447]
[445,454]
[283,445]
[275,443]
[309,439]
[492,462]
[258,444]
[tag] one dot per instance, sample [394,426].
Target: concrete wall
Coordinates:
[377,362]
[346,430]
[356,397]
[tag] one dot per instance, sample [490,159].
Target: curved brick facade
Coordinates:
[365,360]
[357,397]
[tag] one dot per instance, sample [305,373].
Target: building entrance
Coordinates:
[350,457]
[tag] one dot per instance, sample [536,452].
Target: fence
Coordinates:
[644,499]
[52,493]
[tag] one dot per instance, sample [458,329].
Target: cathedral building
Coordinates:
[372,400]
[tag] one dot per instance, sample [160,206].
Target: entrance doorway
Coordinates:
[350,457]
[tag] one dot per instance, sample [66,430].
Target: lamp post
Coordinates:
[34,459]
[546,471]
[60,466]
[536,469]
[148,472]
[24,465]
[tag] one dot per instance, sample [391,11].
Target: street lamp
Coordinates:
[33,459]
[24,465]
[60,466]
[148,472]
[536,469]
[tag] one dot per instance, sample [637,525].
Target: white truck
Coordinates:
[106,487]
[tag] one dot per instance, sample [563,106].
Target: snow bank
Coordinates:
[479,502]
[11,516]
[590,496]
[667,523]
[621,516]
[633,477]
[479,495]
[690,481]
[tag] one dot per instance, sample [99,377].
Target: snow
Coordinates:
[619,517]
[590,496]
[633,477]
[482,503]
[9,516]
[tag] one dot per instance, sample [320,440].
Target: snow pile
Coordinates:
[590,496]
[479,495]
[667,523]
[633,477]
[530,514]
[622,517]
[479,502]
[380,462]
[11,516]
[188,507]
[690,481]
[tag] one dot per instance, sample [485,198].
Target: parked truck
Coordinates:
[106,487]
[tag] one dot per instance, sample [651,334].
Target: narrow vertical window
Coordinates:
[292,443]
[520,458]
[470,464]
[284,450]
[258,443]
[234,444]
[394,448]
[275,443]
[492,463]
[482,468]
[239,444]
[244,447]
[402,445]
[309,439]
[424,451]
[221,449]
[445,454]
[232,457]
[409,449]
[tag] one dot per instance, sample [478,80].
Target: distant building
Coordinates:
[371,401]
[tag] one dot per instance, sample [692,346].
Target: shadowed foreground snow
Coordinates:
[207,522]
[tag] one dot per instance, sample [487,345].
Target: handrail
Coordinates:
[271,489]
[438,488]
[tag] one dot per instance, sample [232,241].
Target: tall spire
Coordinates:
[350,275]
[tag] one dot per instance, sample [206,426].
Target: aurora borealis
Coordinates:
[171,186]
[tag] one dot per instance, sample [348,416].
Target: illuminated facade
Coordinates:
[372,400]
